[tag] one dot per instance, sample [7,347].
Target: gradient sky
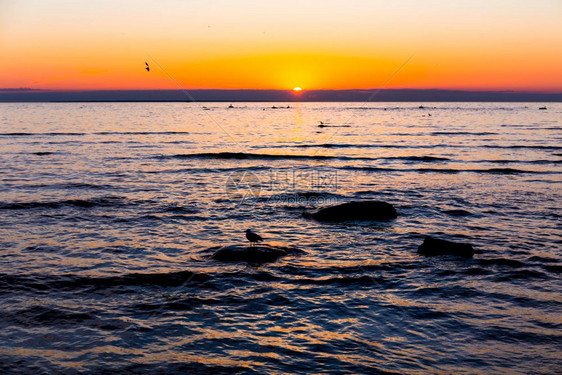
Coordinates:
[314,44]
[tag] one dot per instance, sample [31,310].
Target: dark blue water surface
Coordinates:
[108,212]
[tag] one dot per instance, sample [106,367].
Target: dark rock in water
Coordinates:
[253,254]
[434,246]
[355,211]
[41,153]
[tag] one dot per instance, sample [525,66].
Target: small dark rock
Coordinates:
[434,246]
[41,153]
[253,254]
[355,211]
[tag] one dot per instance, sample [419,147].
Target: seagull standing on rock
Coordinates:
[253,237]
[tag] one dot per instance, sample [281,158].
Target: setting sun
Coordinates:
[297,89]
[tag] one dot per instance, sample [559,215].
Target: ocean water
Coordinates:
[109,213]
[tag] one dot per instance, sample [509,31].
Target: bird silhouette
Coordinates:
[253,237]
[147,66]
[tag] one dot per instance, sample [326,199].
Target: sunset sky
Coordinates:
[314,44]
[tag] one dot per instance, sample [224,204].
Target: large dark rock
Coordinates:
[434,246]
[355,211]
[253,254]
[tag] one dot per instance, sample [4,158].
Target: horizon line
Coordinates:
[275,95]
[522,91]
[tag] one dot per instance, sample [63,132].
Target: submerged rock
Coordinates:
[355,211]
[434,246]
[253,254]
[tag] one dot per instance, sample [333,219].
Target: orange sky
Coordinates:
[315,44]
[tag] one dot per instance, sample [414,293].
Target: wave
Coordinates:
[423,107]
[489,170]
[457,212]
[171,279]
[462,133]
[431,146]
[505,262]
[449,170]
[524,274]
[107,201]
[424,159]
[323,145]
[43,315]
[177,209]
[245,156]
[348,145]
[258,156]
[538,147]
[67,186]
[55,134]
[71,282]
[142,133]
[40,134]
[409,158]
[214,170]
[542,259]
[507,161]
[355,280]
[553,268]
[504,171]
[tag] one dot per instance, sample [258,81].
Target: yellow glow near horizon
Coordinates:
[297,89]
[319,44]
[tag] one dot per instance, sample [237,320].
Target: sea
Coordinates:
[110,214]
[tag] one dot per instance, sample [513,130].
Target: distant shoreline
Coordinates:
[256,101]
[268,96]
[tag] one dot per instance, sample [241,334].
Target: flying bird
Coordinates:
[147,66]
[253,237]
